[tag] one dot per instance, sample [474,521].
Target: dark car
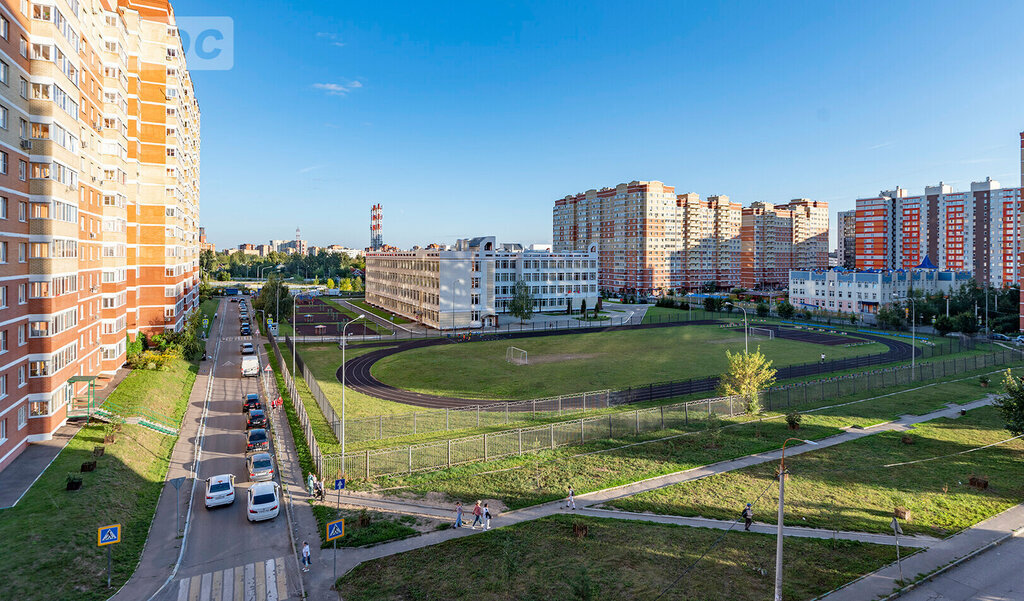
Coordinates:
[999,337]
[250,402]
[257,419]
[257,440]
[234,300]
[244,331]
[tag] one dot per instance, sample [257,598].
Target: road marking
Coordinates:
[183,590]
[193,591]
[250,582]
[239,588]
[271,580]
[218,586]
[204,590]
[282,580]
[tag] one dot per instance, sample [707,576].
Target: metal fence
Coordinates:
[518,441]
[300,408]
[442,420]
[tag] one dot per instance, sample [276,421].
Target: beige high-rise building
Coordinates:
[99,129]
[777,238]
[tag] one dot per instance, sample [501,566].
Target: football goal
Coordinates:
[516,356]
[762,332]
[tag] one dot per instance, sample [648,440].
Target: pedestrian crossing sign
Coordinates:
[335,529]
[108,535]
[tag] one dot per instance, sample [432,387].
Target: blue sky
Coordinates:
[472,118]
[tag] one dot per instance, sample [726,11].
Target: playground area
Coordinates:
[316,317]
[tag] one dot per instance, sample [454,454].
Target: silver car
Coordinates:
[261,467]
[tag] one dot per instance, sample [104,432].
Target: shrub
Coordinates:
[793,418]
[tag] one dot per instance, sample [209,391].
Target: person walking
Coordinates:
[478,515]
[305,556]
[571,500]
[458,515]
[748,517]
[310,483]
[823,357]
[487,517]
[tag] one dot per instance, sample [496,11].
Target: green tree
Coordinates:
[944,325]
[583,308]
[1011,404]
[330,283]
[713,303]
[345,285]
[785,310]
[965,323]
[274,296]
[747,376]
[762,310]
[521,304]
[357,284]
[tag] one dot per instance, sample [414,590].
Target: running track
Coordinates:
[358,377]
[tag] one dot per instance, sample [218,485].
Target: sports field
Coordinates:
[576,362]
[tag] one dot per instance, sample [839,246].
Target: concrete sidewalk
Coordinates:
[886,581]
[163,545]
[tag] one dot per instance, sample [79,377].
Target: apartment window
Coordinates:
[22,294]
[3,297]
[22,337]
[23,88]
[22,46]
[3,422]
[22,170]
[3,341]
[5,28]
[3,207]
[3,252]
[22,252]
[5,71]
[3,163]
[22,209]
[22,412]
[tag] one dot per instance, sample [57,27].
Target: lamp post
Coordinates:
[746,348]
[344,344]
[782,493]
[913,334]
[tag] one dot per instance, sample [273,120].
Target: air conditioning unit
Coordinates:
[26,144]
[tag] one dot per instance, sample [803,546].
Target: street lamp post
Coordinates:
[746,348]
[344,344]
[913,334]
[782,494]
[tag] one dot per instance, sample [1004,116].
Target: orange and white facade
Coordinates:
[777,238]
[101,189]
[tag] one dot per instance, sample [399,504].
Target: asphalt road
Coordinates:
[224,550]
[995,575]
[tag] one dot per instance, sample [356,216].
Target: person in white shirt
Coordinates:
[305,556]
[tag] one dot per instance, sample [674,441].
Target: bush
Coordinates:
[762,310]
[786,310]
[793,419]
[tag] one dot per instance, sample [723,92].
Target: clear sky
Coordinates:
[471,118]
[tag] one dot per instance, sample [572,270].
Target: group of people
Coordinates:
[314,487]
[481,516]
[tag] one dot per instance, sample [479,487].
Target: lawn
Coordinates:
[666,314]
[848,486]
[393,317]
[592,361]
[209,308]
[544,559]
[324,360]
[56,556]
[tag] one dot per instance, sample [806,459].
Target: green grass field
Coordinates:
[665,314]
[578,362]
[51,533]
[847,487]
[324,360]
[209,307]
[544,559]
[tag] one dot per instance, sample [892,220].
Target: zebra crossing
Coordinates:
[259,581]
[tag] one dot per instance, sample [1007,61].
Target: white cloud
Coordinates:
[337,89]
[882,145]
[309,168]
[333,38]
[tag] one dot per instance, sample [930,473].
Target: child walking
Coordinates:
[487,517]
[571,500]
[458,515]
[478,515]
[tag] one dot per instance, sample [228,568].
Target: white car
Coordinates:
[220,490]
[264,501]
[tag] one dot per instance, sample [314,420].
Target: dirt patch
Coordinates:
[536,360]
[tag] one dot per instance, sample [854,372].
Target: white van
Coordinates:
[250,366]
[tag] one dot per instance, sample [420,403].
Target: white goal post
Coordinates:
[762,332]
[516,356]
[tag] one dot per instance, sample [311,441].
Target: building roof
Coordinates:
[927,264]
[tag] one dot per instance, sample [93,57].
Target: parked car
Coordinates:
[244,331]
[256,419]
[234,300]
[251,401]
[257,440]
[220,490]
[264,501]
[248,348]
[261,467]
[250,366]
[1020,339]
[999,337]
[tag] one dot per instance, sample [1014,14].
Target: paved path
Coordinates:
[26,468]
[984,572]
[321,576]
[797,531]
[992,575]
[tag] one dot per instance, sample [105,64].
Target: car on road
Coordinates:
[264,501]
[257,440]
[248,348]
[220,490]
[234,300]
[256,419]
[261,467]
[999,337]
[251,401]
[244,331]
[1020,339]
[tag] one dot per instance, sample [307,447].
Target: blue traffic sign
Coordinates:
[335,529]
[108,535]
[339,484]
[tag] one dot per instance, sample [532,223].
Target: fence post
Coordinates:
[380,426]
[551,430]
[367,464]
[414,421]
[485,446]
[506,413]
[446,419]
[637,416]
[559,405]
[709,407]
[662,417]
[410,459]
[449,452]
[534,407]
[478,416]
[730,407]
[686,414]
[582,437]
[520,431]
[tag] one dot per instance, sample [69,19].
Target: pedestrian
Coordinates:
[487,517]
[310,483]
[458,515]
[319,490]
[823,357]
[305,556]
[571,500]
[748,516]
[478,515]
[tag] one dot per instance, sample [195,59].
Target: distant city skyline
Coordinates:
[475,118]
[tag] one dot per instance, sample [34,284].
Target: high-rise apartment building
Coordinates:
[846,242]
[651,240]
[777,238]
[99,207]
